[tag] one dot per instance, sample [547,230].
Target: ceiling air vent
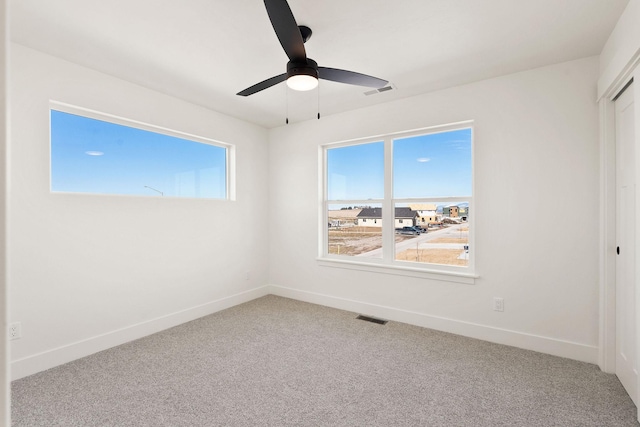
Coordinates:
[382,89]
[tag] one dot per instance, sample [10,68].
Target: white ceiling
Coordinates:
[205,51]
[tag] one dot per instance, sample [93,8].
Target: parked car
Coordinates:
[408,230]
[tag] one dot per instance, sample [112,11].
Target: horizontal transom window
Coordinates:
[100,154]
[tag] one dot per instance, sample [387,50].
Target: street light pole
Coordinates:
[157,191]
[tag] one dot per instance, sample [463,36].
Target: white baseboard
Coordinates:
[51,358]
[555,347]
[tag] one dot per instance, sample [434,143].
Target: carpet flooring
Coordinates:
[279,362]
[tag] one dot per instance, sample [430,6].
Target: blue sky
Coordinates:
[356,172]
[433,165]
[93,156]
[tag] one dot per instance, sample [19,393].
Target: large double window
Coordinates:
[401,200]
[100,154]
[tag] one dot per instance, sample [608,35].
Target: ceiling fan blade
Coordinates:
[286,29]
[350,77]
[263,85]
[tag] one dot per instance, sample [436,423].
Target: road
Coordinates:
[423,241]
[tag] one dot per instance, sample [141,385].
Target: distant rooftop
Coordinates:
[344,213]
[377,213]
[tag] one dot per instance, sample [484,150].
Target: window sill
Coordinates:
[422,273]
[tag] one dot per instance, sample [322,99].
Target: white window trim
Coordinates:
[387,264]
[111,118]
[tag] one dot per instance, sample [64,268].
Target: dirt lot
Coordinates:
[462,240]
[433,256]
[357,240]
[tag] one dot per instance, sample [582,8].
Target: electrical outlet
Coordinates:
[498,304]
[15,330]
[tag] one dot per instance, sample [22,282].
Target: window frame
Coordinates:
[230,149]
[387,263]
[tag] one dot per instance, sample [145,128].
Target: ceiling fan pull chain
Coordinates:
[286,91]
[318,100]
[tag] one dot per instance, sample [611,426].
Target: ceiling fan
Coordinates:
[302,72]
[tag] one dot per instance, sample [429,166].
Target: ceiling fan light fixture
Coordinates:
[302,82]
[302,75]
[302,72]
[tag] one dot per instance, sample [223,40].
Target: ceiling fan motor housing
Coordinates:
[297,68]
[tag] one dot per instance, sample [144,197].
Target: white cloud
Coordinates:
[424,159]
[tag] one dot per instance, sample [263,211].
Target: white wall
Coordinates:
[622,47]
[619,61]
[4,351]
[536,155]
[88,272]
